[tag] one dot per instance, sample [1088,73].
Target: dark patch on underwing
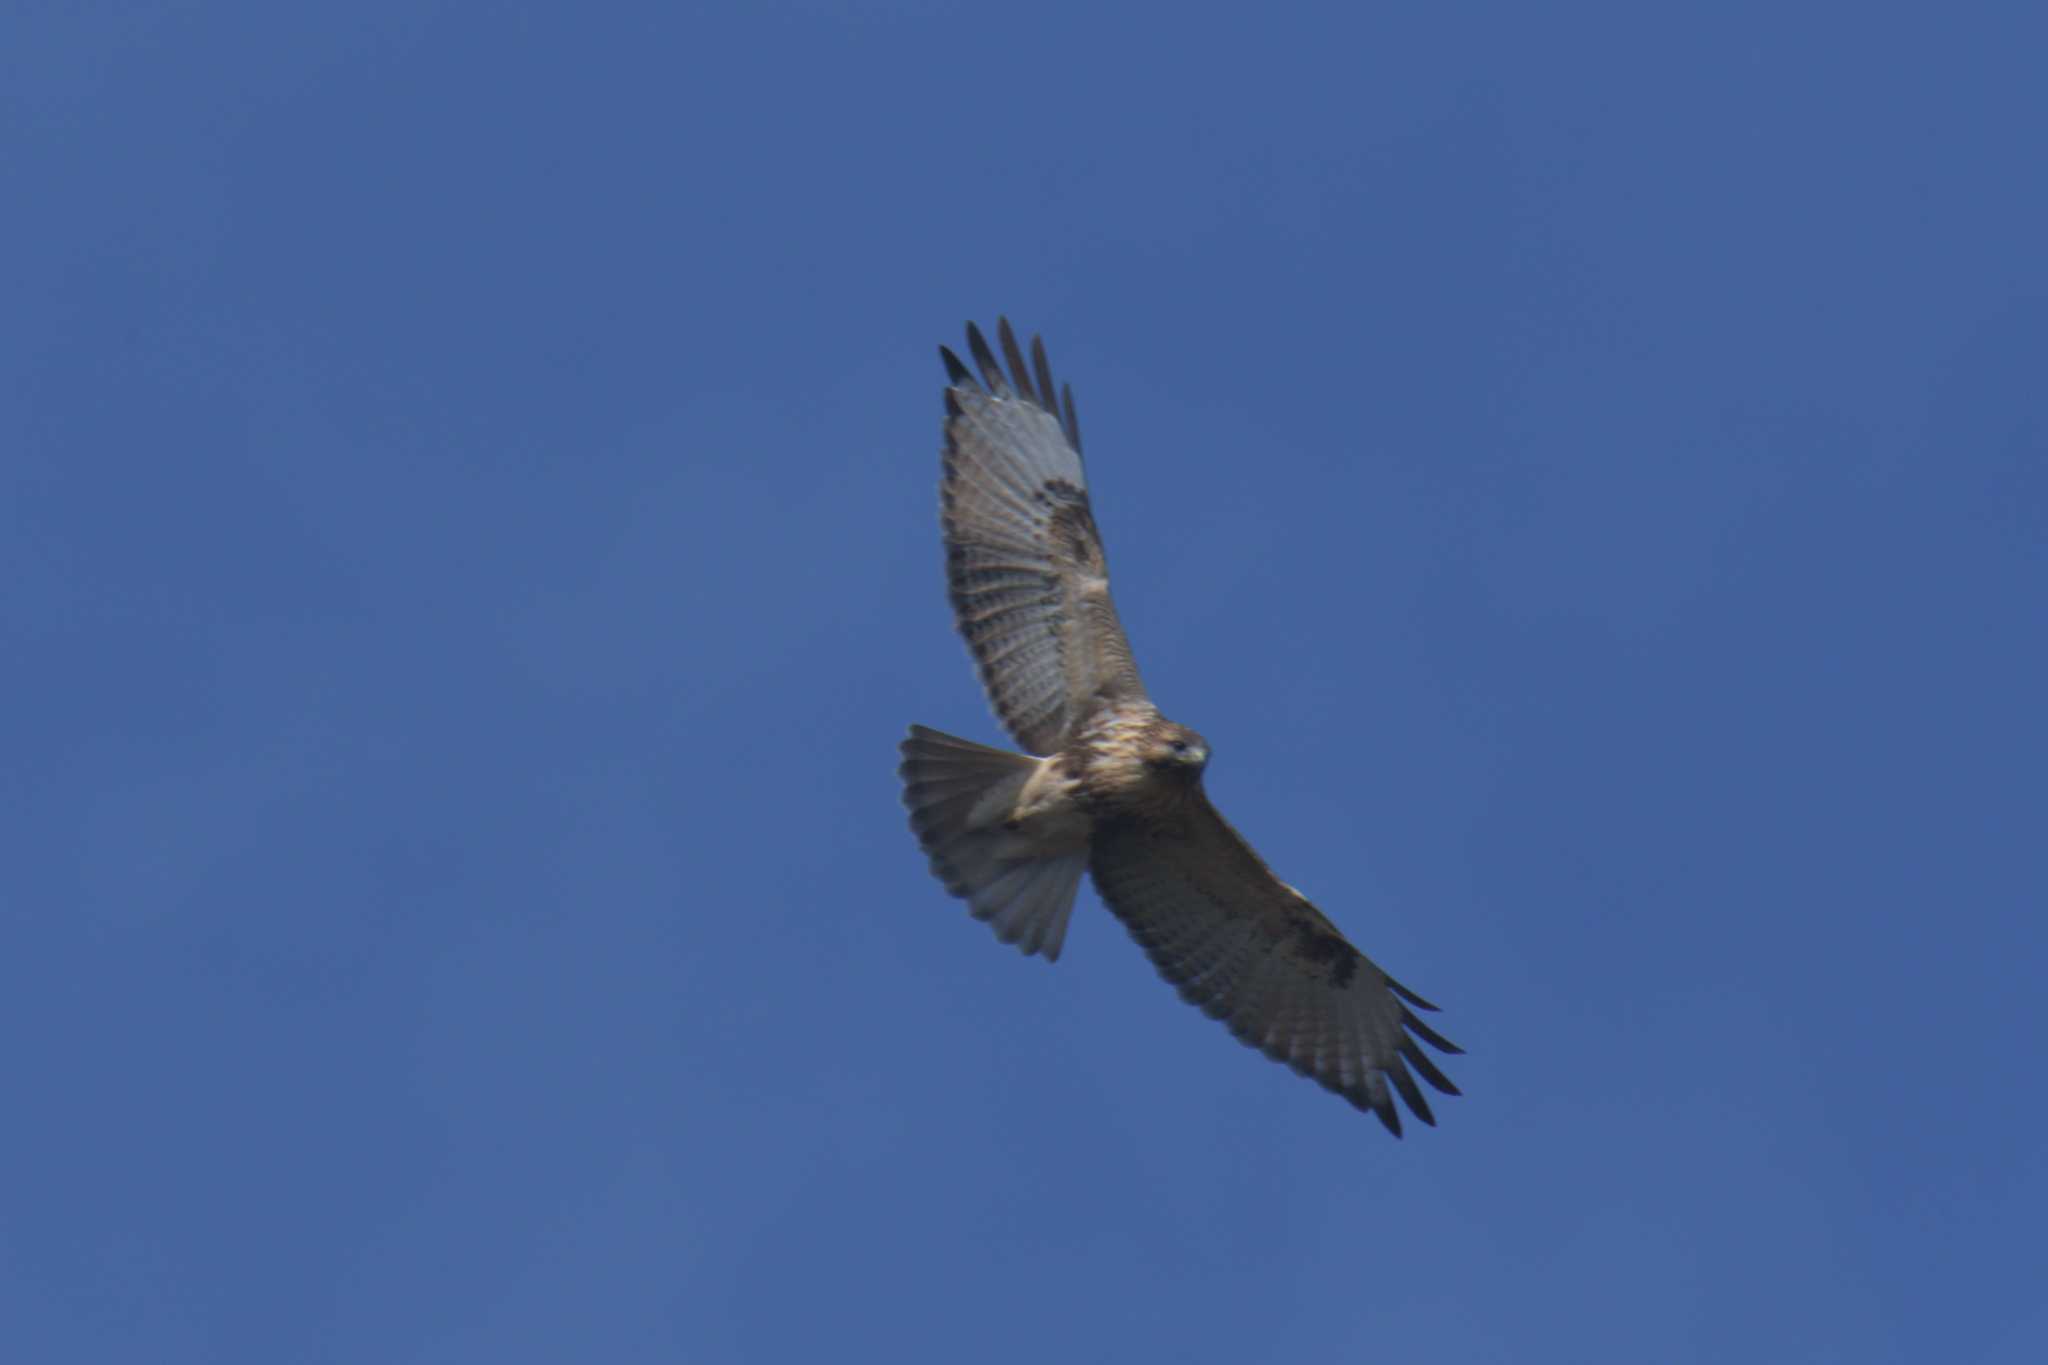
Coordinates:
[1073,529]
[1061,491]
[1320,946]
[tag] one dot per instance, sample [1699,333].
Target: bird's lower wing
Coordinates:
[1254,953]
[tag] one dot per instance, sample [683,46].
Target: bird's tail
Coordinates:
[961,796]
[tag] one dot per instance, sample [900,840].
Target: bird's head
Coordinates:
[1172,748]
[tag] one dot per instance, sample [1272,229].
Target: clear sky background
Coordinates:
[467,518]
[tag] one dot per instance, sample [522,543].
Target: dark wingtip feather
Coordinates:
[1020,376]
[1410,996]
[1383,1109]
[1430,1035]
[1411,1093]
[1048,396]
[1030,381]
[985,361]
[1419,1059]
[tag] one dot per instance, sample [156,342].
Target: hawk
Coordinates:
[1107,784]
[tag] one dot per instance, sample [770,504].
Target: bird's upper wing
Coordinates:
[1250,950]
[1024,561]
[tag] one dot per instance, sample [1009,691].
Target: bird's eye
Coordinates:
[1180,746]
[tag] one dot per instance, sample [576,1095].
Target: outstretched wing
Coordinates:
[1029,584]
[1250,950]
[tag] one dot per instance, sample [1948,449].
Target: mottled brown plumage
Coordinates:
[1118,792]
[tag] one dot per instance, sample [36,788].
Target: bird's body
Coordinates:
[1110,785]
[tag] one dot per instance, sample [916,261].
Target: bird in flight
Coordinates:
[1107,784]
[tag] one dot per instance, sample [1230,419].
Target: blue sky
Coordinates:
[467,501]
